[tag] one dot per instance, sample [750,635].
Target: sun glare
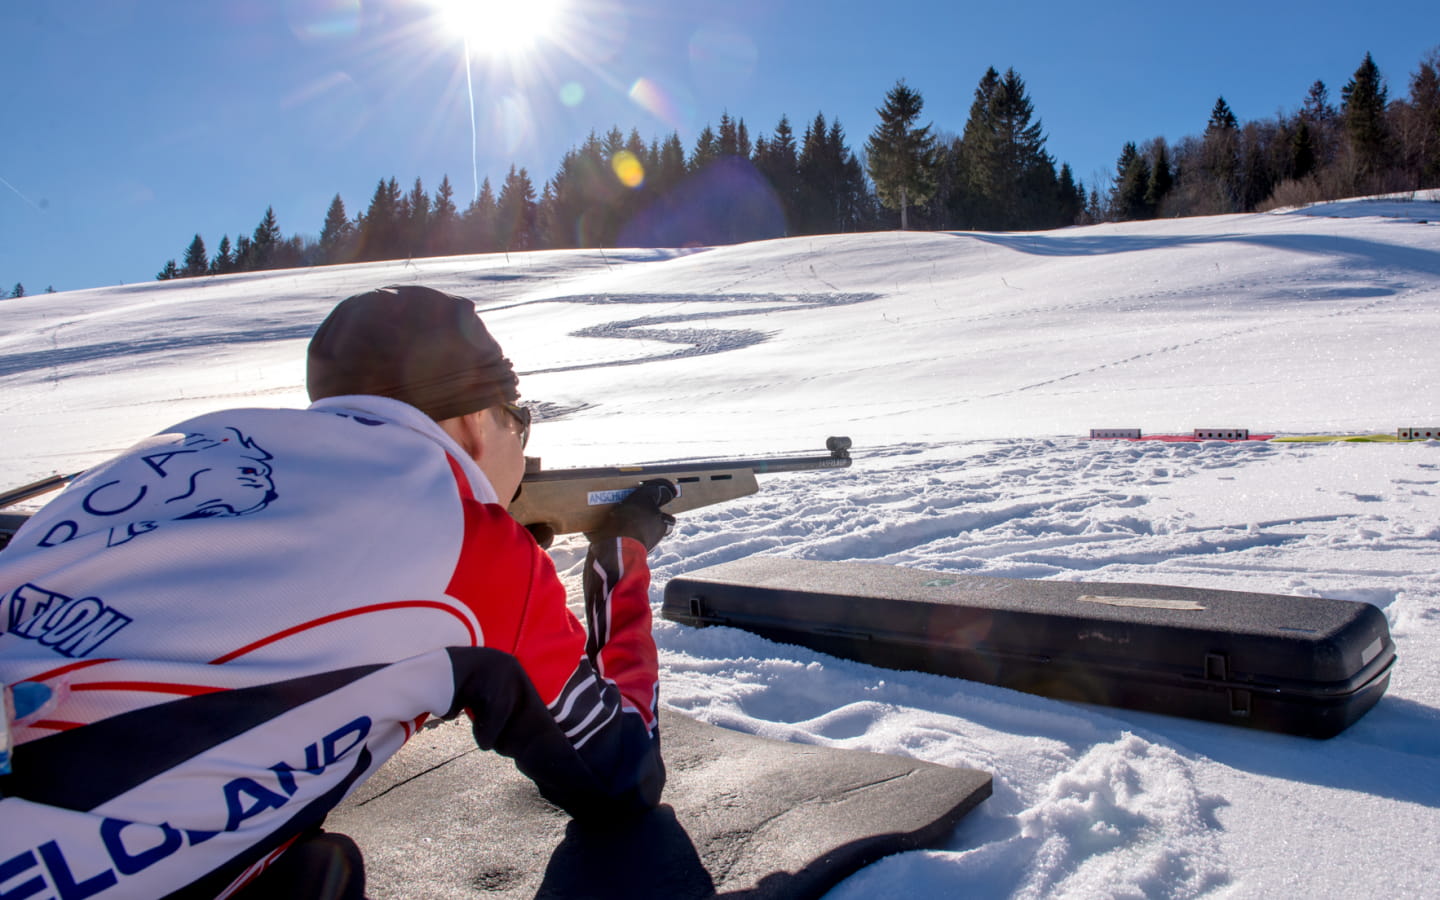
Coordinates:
[500,27]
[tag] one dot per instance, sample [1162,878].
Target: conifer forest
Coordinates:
[995,174]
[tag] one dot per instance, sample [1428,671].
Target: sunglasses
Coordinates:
[521,414]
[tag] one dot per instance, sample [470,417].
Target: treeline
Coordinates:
[612,190]
[1368,144]
[18,291]
[619,190]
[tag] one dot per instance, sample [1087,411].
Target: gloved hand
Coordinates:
[543,534]
[639,516]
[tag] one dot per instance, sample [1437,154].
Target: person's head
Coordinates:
[428,349]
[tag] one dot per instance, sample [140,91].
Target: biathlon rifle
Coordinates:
[567,501]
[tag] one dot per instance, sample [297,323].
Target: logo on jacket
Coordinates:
[197,475]
[71,626]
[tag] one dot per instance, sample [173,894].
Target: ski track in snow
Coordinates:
[692,341]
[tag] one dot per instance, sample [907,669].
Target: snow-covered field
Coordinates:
[967,368]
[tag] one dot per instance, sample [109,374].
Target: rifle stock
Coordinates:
[567,501]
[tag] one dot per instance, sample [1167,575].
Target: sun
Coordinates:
[499,27]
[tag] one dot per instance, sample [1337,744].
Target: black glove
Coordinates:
[543,534]
[638,516]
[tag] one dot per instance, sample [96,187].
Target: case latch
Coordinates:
[703,616]
[1217,668]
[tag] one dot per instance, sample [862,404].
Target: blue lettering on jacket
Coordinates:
[133,847]
[16,866]
[132,856]
[70,626]
[65,883]
[246,797]
[199,476]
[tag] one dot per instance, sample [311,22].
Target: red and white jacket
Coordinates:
[245,616]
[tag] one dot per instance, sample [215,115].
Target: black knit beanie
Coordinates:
[414,344]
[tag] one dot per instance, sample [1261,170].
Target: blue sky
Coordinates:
[130,125]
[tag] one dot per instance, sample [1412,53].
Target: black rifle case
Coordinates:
[1301,665]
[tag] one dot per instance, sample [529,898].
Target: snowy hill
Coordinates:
[967,368]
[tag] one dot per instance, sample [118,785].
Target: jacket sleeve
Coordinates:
[596,746]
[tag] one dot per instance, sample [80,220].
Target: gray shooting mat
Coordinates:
[742,816]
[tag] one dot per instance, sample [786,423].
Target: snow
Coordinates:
[968,369]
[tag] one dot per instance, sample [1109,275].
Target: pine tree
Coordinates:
[171,271]
[637,196]
[223,261]
[1008,178]
[614,142]
[380,226]
[671,169]
[50,289]
[1071,202]
[515,212]
[733,139]
[855,206]
[244,254]
[1027,186]
[197,261]
[1321,121]
[336,235]
[547,228]
[587,200]
[832,194]
[1094,210]
[974,204]
[1220,160]
[1363,102]
[635,146]
[477,228]
[417,220]
[265,241]
[1302,150]
[1162,179]
[1132,179]
[901,157]
[19,290]
[707,150]
[570,193]
[1317,109]
[727,142]
[813,168]
[777,161]
[444,220]
[1221,117]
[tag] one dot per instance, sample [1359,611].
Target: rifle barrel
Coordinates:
[839,458]
[34,489]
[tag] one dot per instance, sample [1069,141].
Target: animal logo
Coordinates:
[228,476]
[172,477]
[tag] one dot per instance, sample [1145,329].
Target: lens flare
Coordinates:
[313,21]
[655,100]
[572,94]
[628,169]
